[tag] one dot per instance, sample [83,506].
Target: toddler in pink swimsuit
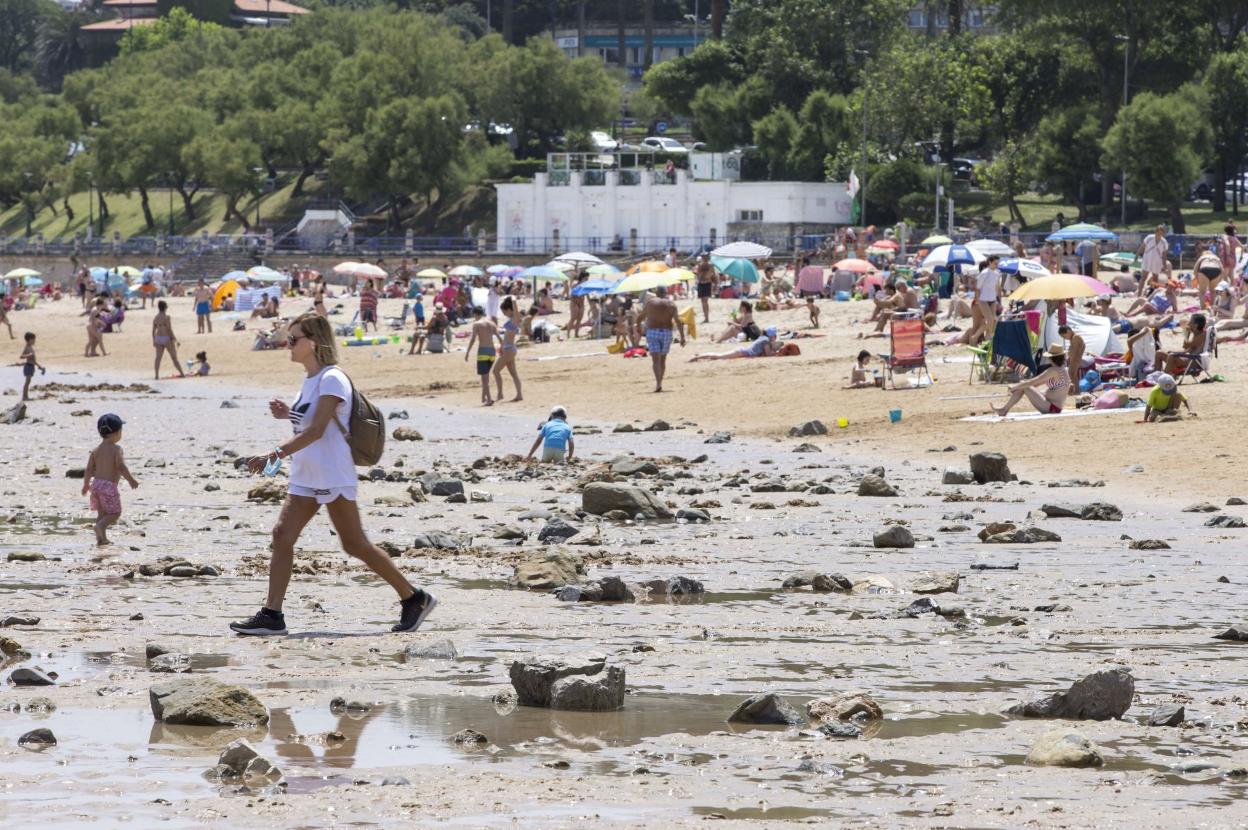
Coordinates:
[105,467]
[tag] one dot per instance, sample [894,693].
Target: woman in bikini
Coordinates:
[1055,381]
[163,339]
[95,340]
[507,355]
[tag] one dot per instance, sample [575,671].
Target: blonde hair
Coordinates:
[321,333]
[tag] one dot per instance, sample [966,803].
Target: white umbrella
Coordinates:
[939,257]
[369,272]
[990,246]
[561,265]
[742,250]
[466,271]
[578,259]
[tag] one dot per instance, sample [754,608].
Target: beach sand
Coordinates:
[943,756]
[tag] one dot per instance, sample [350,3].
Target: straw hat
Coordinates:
[1055,350]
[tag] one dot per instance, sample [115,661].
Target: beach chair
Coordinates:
[1199,366]
[400,321]
[908,349]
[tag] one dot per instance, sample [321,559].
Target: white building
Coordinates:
[648,210]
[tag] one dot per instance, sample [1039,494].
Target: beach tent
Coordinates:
[227,289]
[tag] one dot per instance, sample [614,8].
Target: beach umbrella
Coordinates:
[1120,258]
[652,265]
[947,256]
[347,267]
[738,269]
[742,250]
[128,271]
[602,269]
[644,281]
[858,266]
[542,272]
[680,274]
[990,246]
[886,244]
[1027,268]
[937,239]
[598,286]
[32,282]
[371,272]
[111,280]
[578,259]
[1061,287]
[263,273]
[227,289]
[560,265]
[235,275]
[1081,231]
[880,250]
[496,269]
[466,271]
[431,274]
[19,273]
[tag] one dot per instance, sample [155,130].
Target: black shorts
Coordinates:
[368,316]
[812,294]
[1210,272]
[704,290]
[28,370]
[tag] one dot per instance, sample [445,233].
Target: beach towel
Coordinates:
[690,318]
[1031,416]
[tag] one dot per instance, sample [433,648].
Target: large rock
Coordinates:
[953,475]
[873,485]
[1023,536]
[267,491]
[627,466]
[1065,748]
[809,428]
[844,706]
[240,759]
[1167,714]
[205,702]
[893,536]
[615,589]
[600,497]
[436,485]
[831,583]
[990,466]
[1099,511]
[437,650]
[31,677]
[936,582]
[407,434]
[766,708]
[37,739]
[556,530]
[586,683]
[548,570]
[436,540]
[1099,696]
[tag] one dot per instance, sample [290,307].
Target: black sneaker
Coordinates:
[414,610]
[264,623]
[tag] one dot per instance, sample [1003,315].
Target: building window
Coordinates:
[680,51]
[636,58]
[749,216]
[918,19]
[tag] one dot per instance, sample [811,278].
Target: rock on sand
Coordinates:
[600,497]
[1065,748]
[205,702]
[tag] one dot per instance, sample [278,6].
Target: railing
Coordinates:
[630,177]
[559,178]
[594,178]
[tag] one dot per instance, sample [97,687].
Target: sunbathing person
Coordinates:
[1224,302]
[1055,381]
[764,346]
[1161,301]
[742,324]
[1195,341]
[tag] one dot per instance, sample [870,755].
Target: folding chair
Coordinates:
[908,349]
[1199,366]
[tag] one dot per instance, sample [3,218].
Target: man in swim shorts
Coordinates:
[660,317]
[203,307]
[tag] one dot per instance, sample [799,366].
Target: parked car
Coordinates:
[699,146]
[664,145]
[963,168]
[603,141]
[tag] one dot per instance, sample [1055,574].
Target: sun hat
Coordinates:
[1167,384]
[771,331]
[1222,286]
[1055,350]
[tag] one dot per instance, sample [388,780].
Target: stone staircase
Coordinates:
[211,264]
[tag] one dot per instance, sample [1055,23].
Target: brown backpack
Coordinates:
[365,431]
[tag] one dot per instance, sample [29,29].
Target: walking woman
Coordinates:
[95,338]
[507,355]
[163,339]
[321,473]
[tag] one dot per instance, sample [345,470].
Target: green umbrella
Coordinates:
[739,269]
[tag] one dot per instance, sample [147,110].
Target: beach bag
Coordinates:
[365,431]
[788,350]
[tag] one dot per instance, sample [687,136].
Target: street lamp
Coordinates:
[1126,52]
[171,205]
[90,204]
[866,80]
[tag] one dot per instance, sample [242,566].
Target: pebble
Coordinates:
[37,739]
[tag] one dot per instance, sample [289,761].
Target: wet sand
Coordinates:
[944,755]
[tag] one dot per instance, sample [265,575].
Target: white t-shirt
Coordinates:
[326,462]
[986,284]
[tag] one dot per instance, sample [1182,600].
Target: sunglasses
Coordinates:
[291,339]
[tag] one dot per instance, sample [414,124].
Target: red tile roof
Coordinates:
[120,24]
[268,6]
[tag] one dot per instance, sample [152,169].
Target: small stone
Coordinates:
[395,781]
[556,530]
[808,428]
[211,488]
[1235,501]
[1224,580]
[854,705]
[25,556]
[875,486]
[719,438]
[14,619]
[692,514]
[1100,511]
[480,497]
[831,583]
[658,426]
[953,475]
[406,434]
[40,704]
[1065,748]
[437,650]
[436,540]
[183,571]
[154,650]
[1102,695]
[9,647]
[765,709]
[228,405]
[207,570]
[1226,521]
[1237,633]
[840,729]
[990,466]
[1167,714]
[936,582]
[37,739]
[1149,544]
[1060,511]
[807,448]
[170,664]
[1201,507]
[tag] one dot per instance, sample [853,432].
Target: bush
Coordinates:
[918,209]
[526,168]
[891,182]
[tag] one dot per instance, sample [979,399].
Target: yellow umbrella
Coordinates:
[128,271]
[650,265]
[1061,287]
[938,239]
[644,281]
[680,274]
[431,274]
[18,273]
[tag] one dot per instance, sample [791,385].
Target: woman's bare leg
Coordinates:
[160,354]
[297,511]
[515,377]
[346,518]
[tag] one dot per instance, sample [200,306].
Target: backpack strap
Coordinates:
[343,430]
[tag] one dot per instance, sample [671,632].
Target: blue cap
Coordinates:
[109,423]
[771,331]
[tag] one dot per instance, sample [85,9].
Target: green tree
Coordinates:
[229,163]
[19,29]
[824,125]
[677,82]
[1066,152]
[174,27]
[1161,141]
[1008,175]
[774,134]
[61,45]
[1226,88]
[890,183]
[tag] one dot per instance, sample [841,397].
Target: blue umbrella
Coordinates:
[110,279]
[738,269]
[1023,267]
[1080,231]
[594,287]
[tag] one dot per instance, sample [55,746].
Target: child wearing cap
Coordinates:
[555,437]
[105,466]
[1164,400]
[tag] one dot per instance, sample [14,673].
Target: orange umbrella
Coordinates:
[860,266]
[655,265]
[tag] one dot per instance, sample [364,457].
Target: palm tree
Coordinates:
[61,45]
